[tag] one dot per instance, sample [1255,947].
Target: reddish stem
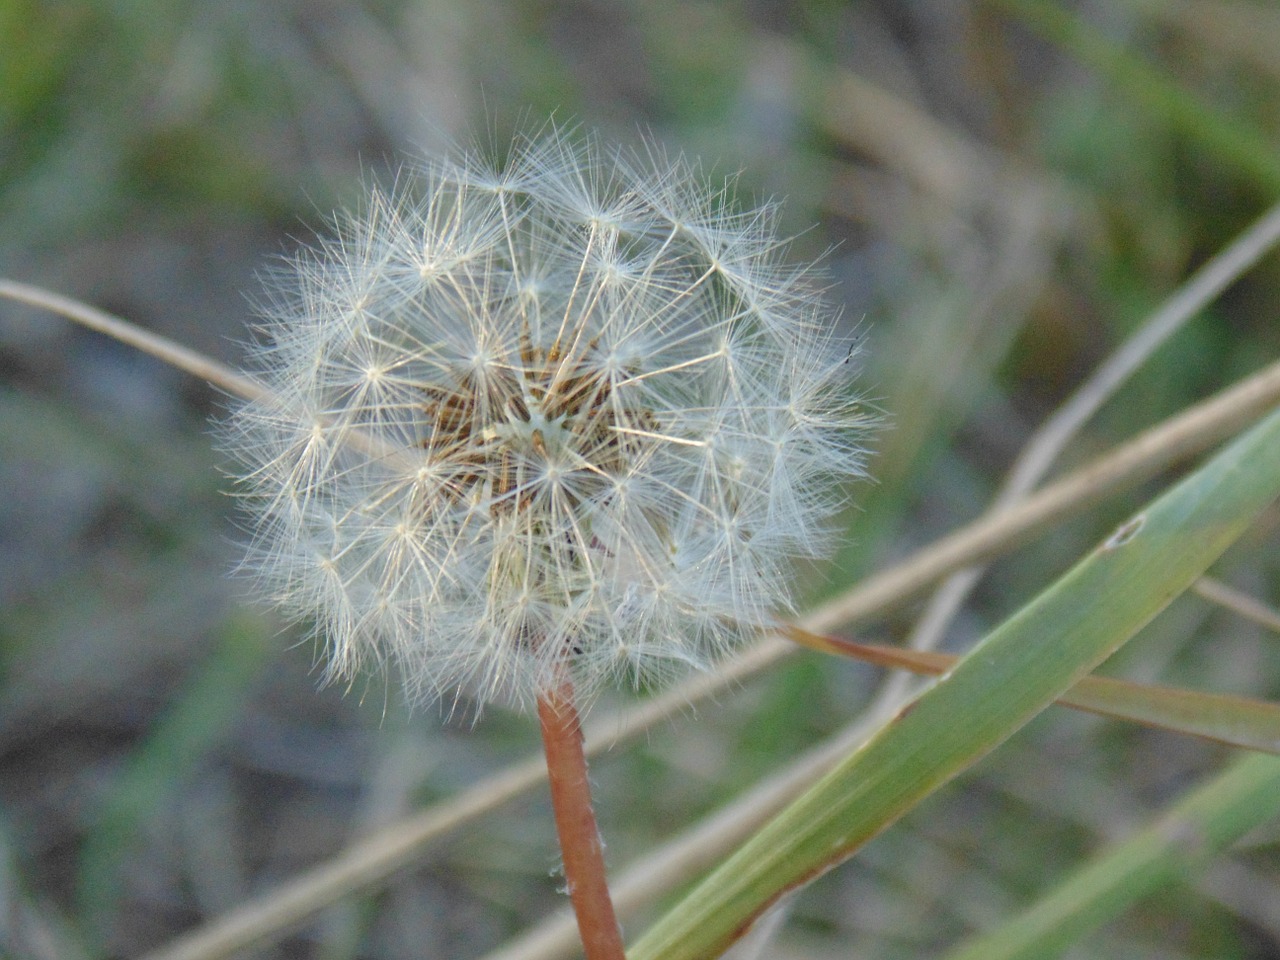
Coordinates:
[580,845]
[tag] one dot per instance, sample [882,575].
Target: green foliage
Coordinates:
[1014,673]
[198,721]
[151,149]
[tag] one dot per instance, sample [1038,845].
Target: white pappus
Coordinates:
[567,412]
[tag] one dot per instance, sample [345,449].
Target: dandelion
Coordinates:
[534,426]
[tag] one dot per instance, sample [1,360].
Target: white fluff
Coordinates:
[570,412]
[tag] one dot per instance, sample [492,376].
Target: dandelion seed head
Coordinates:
[571,412]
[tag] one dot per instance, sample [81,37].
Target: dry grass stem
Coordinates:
[437,431]
[702,845]
[375,857]
[1239,603]
[197,364]
[397,845]
[1152,451]
[400,844]
[1047,443]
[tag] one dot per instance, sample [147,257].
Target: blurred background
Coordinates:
[1003,190]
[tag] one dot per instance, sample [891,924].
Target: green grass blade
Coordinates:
[1233,140]
[1034,657]
[1246,794]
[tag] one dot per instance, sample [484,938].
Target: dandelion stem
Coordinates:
[580,845]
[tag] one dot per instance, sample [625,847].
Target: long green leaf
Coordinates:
[1246,794]
[1006,680]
